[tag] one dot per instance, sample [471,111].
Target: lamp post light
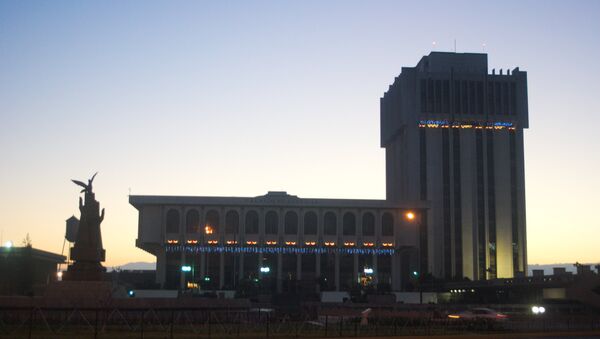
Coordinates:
[412,218]
[418,279]
[208,230]
[185,269]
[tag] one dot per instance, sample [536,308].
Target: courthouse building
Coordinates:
[279,238]
[455,202]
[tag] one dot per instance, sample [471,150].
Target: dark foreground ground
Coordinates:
[78,327]
[469,335]
[253,321]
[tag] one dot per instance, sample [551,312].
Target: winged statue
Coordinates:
[88,187]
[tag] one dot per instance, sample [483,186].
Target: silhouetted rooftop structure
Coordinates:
[23,269]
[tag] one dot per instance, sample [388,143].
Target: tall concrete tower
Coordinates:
[453,135]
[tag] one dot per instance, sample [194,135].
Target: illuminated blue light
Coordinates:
[433,122]
[186,268]
[276,250]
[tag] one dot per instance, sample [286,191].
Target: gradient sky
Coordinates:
[236,98]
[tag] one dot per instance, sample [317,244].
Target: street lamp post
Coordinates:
[208,230]
[418,280]
[412,217]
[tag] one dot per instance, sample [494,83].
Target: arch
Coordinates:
[251,225]
[349,221]
[232,222]
[192,221]
[310,223]
[291,223]
[387,224]
[368,224]
[212,220]
[330,224]
[173,221]
[271,222]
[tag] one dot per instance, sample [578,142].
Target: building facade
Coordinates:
[281,240]
[27,270]
[453,135]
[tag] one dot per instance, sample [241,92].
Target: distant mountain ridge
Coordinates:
[133,266]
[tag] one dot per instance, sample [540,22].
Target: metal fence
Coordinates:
[39,322]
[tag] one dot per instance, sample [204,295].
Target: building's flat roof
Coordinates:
[35,253]
[273,199]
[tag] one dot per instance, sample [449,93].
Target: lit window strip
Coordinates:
[499,125]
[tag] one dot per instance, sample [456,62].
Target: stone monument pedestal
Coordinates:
[87,268]
[85,272]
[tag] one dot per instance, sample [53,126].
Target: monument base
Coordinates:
[85,271]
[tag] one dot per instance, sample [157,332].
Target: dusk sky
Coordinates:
[235,98]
